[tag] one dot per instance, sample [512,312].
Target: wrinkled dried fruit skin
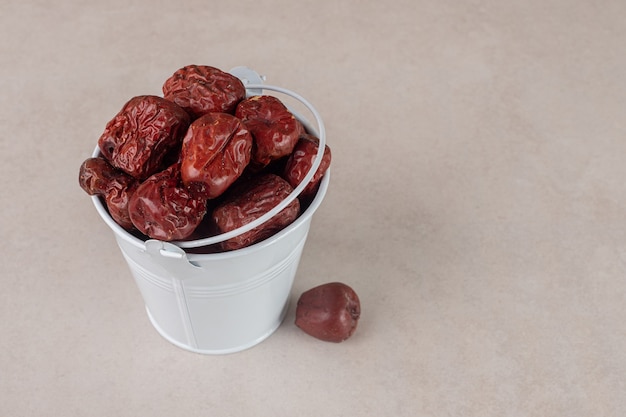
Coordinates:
[274,128]
[96,174]
[162,208]
[201,89]
[117,199]
[300,162]
[137,139]
[215,152]
[250,202]
[329,312]
[98,177]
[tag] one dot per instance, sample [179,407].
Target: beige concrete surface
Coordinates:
[477,206]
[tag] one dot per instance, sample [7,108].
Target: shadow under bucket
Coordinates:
[218,303]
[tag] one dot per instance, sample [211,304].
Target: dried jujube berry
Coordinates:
[250,201]
[215,152]
[96,174]
[329,312]
[98,177]
[201,89]
[117,199]
[137,139]
[274,128]
[300,162]
[163,208]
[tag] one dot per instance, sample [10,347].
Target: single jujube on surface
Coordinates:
[329,312]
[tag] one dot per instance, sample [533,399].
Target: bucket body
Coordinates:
[218,303]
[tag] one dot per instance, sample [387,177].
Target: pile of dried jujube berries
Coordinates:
[203,159]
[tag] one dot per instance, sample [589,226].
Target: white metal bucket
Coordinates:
[225,302]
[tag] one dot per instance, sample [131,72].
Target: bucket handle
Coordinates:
[246,75]
[172,258]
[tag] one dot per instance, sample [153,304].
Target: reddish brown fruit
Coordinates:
[215,152]
[117,199]
[201,89]
[300,162]
[251,201]
[274,128]
[138,138]
[98,177]
[329,312]
[163,208]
